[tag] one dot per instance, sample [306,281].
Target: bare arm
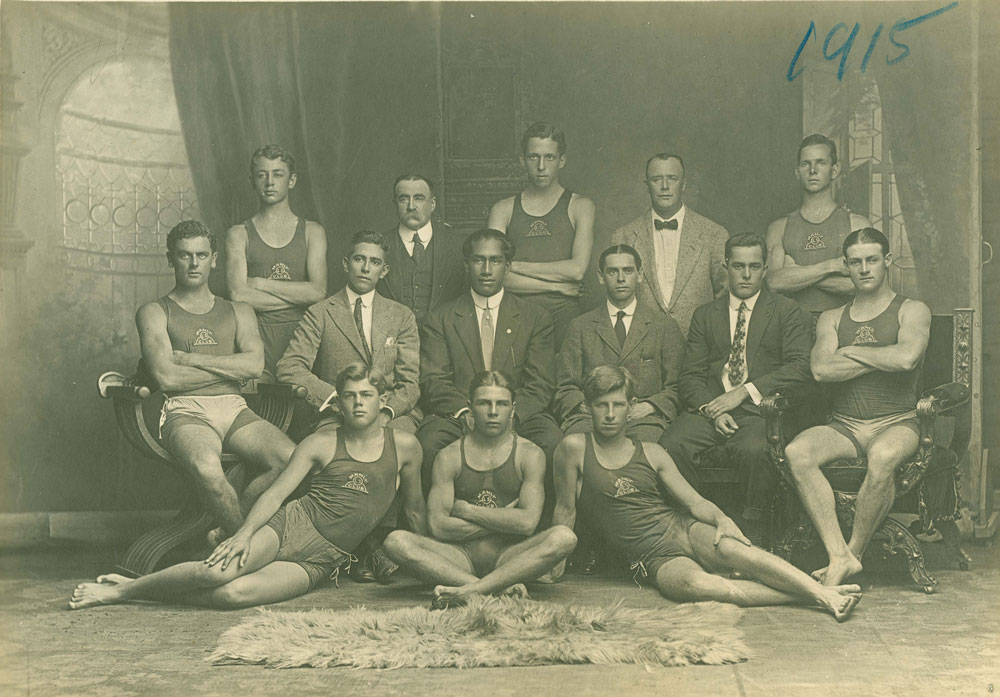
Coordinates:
[410,456]
[783,277]
[581,215]
[825,361]
[236,274]
[302,292]
[525,285]
[500,213]
[568,465]
[522,519]
[247,363]
[158,354]
[911,342]
[441,499]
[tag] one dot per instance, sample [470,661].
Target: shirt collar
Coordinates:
[678,216]
[629,309]
[366,299]
[734,302]
[492,302]
[425,233]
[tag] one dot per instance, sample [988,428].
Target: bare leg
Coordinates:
[773,573]
[183,583]
[198,450]
[263,443]
[810,449]
[886,452]
[517,564]
[429,559]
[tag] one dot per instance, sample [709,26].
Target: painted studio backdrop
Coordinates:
[121,120]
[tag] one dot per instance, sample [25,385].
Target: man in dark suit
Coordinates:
[486,329]
[740,347]
[424,257]
[627,333]
[683,250]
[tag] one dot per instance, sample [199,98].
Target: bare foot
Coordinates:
[518,590]
[840,601]
[107,590]
[450,596]
[840,569]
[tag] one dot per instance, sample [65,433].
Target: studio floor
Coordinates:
[898,642]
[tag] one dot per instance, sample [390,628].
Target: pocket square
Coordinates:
[390,340]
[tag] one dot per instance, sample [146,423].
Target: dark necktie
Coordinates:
[737,366]
[665,224]
[361,330]
[418,248]
[620,328]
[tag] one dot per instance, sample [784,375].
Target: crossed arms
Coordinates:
[269,294]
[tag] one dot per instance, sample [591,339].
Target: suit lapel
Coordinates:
[468,330]
[759,320]
[438,264]
[636,333]
[604,329]
[721,327]
[508,322]
[343,318]
[380,326]
[647,251]
[687,254]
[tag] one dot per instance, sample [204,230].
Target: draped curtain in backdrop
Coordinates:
[350,88]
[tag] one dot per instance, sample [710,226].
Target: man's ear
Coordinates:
[385,270]
[292,178]
[383,399]
[347,265]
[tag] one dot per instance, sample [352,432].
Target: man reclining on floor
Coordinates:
[282,551]
[487,491]
[680,541]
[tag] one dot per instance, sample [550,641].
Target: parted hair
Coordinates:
[619,249]
[607,378]
[746,239]
[413,177]
[273,152]
[187,229]
[818,139]
[663,156]
[543,129]
[865,235]
[361,371]
[506,245]
[368,237]
[489,378]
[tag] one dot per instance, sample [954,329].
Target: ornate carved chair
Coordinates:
[927,484]
[136,402]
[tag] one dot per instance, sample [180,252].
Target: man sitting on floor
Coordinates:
[486,498]
[677,540]
[198,347]
[872,350]
[282,551]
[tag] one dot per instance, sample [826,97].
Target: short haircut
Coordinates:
[541,129]
[368,237]
[356,372]
[866,234]
[490,378]
[413,177]
[273,152]
[818,139]
[185,230]
[506,245]
[746,239]
[619,249]
[607,378]
[663,156]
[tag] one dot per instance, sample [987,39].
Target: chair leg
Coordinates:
[899,539]
[797,537]
[952,540]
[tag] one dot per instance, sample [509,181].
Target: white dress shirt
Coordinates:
[481,303]
[366,312]
[666,246]
[406,236]
[629,312]
[734,313]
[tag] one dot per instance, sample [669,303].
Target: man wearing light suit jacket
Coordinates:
[487,329]
[424,256]
[357,325]
[683,250]
[740,347]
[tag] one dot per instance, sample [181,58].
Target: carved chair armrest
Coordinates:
[127,393]
[948,399]
[274,402]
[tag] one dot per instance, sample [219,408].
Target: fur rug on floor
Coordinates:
[488,632]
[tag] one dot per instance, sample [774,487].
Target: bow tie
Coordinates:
[665,224]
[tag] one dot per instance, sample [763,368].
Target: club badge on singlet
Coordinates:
[358,481]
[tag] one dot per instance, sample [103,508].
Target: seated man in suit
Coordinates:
[740,347]
[486,329]
[357,325]
[871,351]
[624,332]
[683,250]
[425,257]
[486,499]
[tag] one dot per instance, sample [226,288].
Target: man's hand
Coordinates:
[181,358]
[725,402]
[727,528]
[254,282]
[571,290]
[237,546]
[837,266]
[848,352]
[641,410]
[726,424]
[789,261]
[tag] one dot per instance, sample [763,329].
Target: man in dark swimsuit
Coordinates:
[282,551]
[551,228]
[485,502]
[803,257]
[198,347]
[676,539]
[871,351]
[276,261]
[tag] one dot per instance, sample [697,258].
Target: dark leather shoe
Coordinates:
[361,571]
[382,566]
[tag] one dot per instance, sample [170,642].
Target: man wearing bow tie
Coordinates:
[741,346]
[424,256]
[683,249]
